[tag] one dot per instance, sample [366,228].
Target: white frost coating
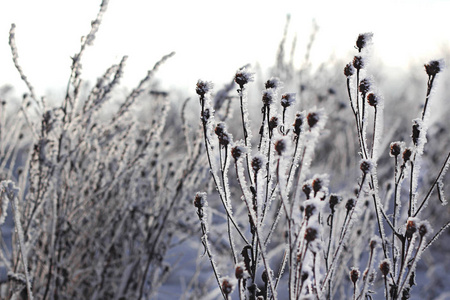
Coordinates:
[5,189]
[378,130]
[440,188]
[311,137]
[11,191]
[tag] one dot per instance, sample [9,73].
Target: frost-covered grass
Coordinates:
[316,188]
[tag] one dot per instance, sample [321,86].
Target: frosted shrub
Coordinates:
[299,239]
[97,194]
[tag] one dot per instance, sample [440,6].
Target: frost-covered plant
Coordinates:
[294,224]
[97,192]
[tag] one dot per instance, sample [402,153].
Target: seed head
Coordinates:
[274,83]
[281,146]
[374,242]
[222,134]
[366,166]
[434,67]
[350,204]
[411,227]
[349,70]
[424,228]
[319,182]
[354,275]
[237,151]
[372,99]
[385,267]
[264,276]
[396,148]
[310,234]
[268,96]
[313,118]
[287,99]
[258,162]
[358,62]
[203,87]
[309,209]
[407,154]
[273,123]
[298,123]
[241,271]
[416,128]
[363,40]
[334,200]
[200,200]
[227,286]
[307,188]
[365,85]
[243,76]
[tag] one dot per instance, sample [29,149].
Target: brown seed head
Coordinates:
[358,62]
[385,267]
[354,275]
[310,234]
[433,67]
[349,70]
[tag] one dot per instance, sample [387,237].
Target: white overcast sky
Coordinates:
[211,38]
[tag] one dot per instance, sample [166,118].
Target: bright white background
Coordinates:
[211,38]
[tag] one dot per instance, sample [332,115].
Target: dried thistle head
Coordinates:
[313,118]
[374,242]
[274,83]
[287,99]
[358,62]
[434,67]
[349,70]
[354,275]
[298,123]
[307,189]
[334,200]
[281,146]
[243,76]
[363,40]
[365,85]
[407,154]
[385,267]
[203,87]
[237,151]
[227,286]
[274,122]
[258,162]
[396,148]
[350,204]
[241,271]
[200,200]
[311,233]
[366,166]
[416,129]
[268,96]
[373,99]
[222,134]
[424,228]
[411,227]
